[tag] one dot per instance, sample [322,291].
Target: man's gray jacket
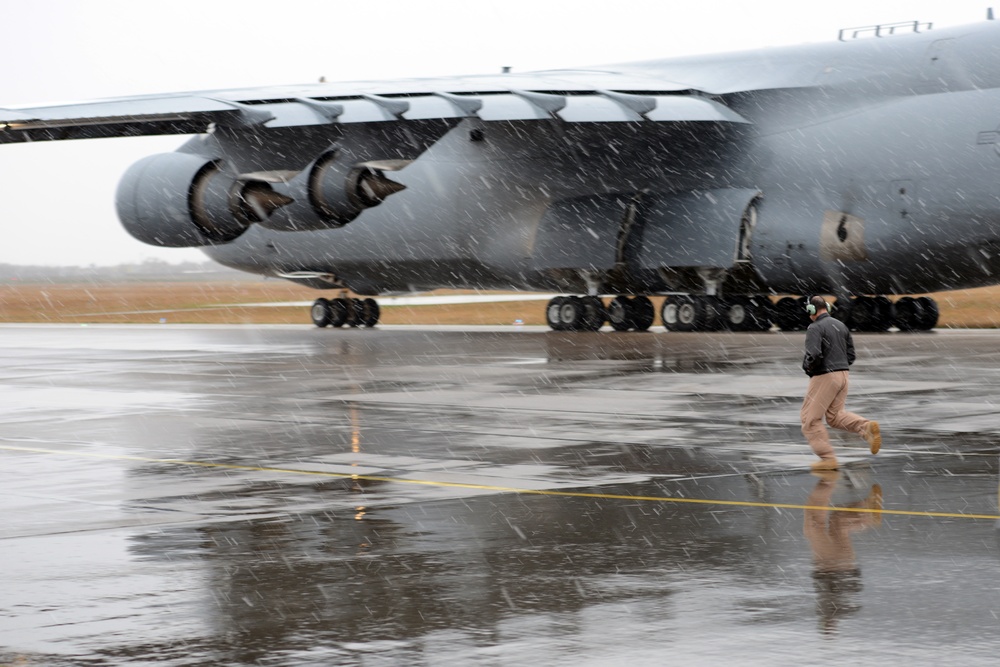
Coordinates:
[829,346]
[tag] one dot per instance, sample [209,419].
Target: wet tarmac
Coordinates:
[293,496]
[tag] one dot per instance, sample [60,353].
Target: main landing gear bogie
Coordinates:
[690,313]
[915,314]
[680,312]
[687,312]
[864,313]
[588,313]
[343,310]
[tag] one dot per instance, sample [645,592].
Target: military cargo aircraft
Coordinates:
[863,168]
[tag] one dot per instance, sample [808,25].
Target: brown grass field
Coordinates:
[219,302]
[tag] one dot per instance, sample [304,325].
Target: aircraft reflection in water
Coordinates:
[836,573]
[861,168]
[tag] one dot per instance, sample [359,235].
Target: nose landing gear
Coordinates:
[340,311]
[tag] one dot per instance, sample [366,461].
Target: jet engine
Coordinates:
[181,200]
[332,191]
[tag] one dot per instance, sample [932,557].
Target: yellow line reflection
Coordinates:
[500,489]
[355,430]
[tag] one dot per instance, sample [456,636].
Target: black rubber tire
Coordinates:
[370,312]
[908,314]
[761,313]
[864,314]
[619,312]
[552,313]
[339,310]
[355,312]
[593,313]
[643,313]
[320,313]
[734,313]
[790,314]
[571,313]
[714,308]
[930,315]
[883,313]
[690,314]
[870,313]
[668,313]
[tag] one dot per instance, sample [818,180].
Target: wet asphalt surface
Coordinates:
[292,496]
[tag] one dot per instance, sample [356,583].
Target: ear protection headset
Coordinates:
[811,309]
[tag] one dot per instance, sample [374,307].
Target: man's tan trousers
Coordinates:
[825,397]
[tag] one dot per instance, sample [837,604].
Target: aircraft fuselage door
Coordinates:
[938,66]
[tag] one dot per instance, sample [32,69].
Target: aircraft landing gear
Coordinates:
[790,314]
[575,313]
[588,313]
[687,312]
[690,312]
[343,310]
[635,314]
[680,312]
[864,313]
[920,314]
[878,314]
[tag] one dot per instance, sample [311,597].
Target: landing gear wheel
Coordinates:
[920,314]
[339,311]
[863,314]
[883,310]
[552,313]
[759,313]
[738,314]
[930,315]
[370,312]
[321,313]
[593,313]
[575,313]
[690,313]
[355,312]
[668,313]
[620,313]
[909,313]
[714,309]
[790,314]
[571,313]
[643,313]
[870,313]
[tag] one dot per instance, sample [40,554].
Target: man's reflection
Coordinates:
[836,574]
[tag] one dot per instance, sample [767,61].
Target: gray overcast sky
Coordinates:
[57,198]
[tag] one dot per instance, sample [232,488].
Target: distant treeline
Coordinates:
[147,271]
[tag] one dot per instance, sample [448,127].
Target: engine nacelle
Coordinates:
[180,200]
[332,191]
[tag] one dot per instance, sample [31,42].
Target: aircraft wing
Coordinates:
[573,96]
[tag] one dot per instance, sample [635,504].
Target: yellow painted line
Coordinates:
[503,489]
